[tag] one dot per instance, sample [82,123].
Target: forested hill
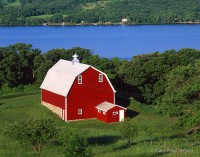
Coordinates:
[37,12]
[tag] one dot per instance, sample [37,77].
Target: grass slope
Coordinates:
[104,139]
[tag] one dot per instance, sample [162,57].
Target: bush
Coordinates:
[73,143]
[128,130]
[37,132]
[21,89]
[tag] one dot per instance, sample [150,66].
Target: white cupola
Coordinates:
[75,60]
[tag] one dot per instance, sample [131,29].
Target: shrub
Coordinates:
[128,130]
[37,132]
[73,143]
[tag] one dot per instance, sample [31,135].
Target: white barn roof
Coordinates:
[105,106]
[60,78]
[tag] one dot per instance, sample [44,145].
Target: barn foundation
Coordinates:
[55,109]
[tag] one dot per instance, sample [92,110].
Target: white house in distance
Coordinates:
[124,20]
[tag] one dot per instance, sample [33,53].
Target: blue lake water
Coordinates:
[107,41]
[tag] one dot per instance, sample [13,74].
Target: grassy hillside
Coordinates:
[26,12]
[104,139]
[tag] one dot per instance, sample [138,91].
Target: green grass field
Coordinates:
[103,138]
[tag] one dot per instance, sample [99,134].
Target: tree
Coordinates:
[42,70]
[182,89]
[37,132]
[57,18]
[17,64]
[129,130]
[73,143]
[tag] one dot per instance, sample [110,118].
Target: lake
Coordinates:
[107,41]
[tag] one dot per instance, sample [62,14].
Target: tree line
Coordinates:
[37,12]
[168,82]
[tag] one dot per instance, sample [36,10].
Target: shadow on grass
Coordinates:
[3,107]
[180,135]
[131,113]
[157,154]
[126,146]
[124,101]
[103,140]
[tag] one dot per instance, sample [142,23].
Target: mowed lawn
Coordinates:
[104,139]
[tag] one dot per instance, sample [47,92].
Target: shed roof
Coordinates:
[105,106]
[60,78]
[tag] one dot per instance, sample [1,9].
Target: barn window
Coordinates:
[79,79]
[100,77]
[115,113]
[80,111]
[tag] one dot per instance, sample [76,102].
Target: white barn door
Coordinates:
[121,115]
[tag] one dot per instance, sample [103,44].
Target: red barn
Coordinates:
[74,91]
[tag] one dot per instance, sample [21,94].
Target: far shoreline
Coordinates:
[105,24]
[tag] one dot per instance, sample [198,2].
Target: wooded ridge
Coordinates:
[84,12]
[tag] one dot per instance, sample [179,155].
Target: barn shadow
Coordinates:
[124,101]
[131,113]
[103,140]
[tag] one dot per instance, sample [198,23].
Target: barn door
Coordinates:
[121,115]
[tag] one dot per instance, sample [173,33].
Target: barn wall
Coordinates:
[88,95]
[52,98]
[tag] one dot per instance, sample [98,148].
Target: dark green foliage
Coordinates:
[149,72]
[17,64]
[57,18]
[22,65]
[136,11]
[56,54]
[182,97]
[129,130]
[37,132]
[11,1]
[74,143]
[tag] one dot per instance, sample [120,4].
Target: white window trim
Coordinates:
[115,113]
[99,111]
[80,111]
[104,113]
[79,79]
[100,77]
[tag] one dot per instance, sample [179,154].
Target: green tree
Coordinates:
[43,69]
[129,130]
[183,88]
[182,97]
[73,143]
[37,132]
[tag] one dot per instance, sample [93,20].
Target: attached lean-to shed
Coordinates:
[72,90]
[109,113]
